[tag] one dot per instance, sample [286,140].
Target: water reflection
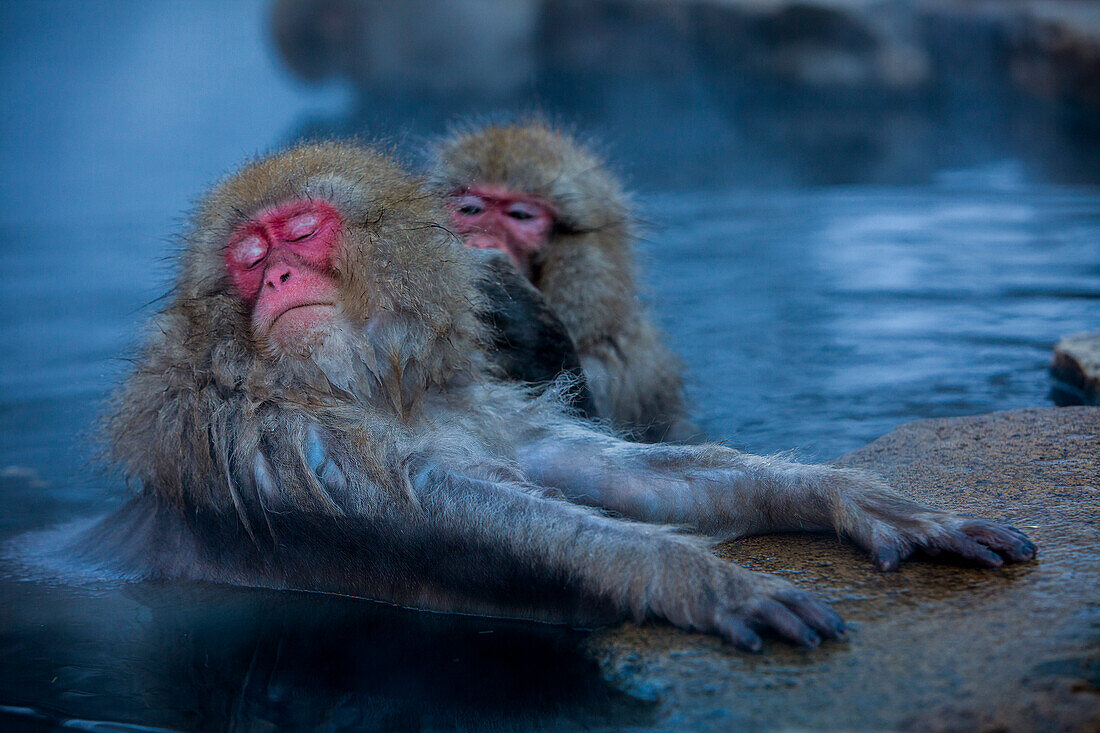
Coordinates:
[199,658]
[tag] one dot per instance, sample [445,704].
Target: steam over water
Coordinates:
[818,298]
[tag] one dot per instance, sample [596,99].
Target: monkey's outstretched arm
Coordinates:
[490,545]
[518,546]
[727,494]
[450,539]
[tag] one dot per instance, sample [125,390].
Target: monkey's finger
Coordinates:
[777,617]
[888,548]
[736,632]
[323,467]
[817,614]
[968,549]
[1000,527]
[1009,541]
[888,554]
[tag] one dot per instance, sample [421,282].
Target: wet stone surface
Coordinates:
[936,647]
[1076,369]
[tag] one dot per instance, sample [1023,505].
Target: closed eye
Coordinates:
[302,237]
[520,214]
[249,252]
[302,227]
[468,204]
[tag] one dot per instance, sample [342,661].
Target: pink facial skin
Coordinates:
[493,217]
[280,263]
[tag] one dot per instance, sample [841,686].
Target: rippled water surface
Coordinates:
[820,319]
[812,318]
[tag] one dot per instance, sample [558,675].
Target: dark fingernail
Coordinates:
[887,558]
[739,635]
[745,644]
[833,626]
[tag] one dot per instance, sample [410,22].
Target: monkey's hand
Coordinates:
[707,594]
[727,494]
[893,528]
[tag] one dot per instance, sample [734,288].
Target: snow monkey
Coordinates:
[314,409]
[559,214]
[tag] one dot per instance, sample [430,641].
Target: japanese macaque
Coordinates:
[315,409]
[563,219]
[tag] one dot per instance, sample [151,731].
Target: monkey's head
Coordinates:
[527,189]
[328,255]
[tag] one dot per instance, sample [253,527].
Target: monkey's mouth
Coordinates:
[300,320]
[324,307]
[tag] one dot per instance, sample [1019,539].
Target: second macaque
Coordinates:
[562,218]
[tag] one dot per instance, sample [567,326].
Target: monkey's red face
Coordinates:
[280,263]
[492,217]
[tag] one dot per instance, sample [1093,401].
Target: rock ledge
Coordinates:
[937,647]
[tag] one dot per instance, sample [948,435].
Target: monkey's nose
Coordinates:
[277,275]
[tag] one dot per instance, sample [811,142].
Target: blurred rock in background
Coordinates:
[1076,369]
[477,48]
[771,91]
